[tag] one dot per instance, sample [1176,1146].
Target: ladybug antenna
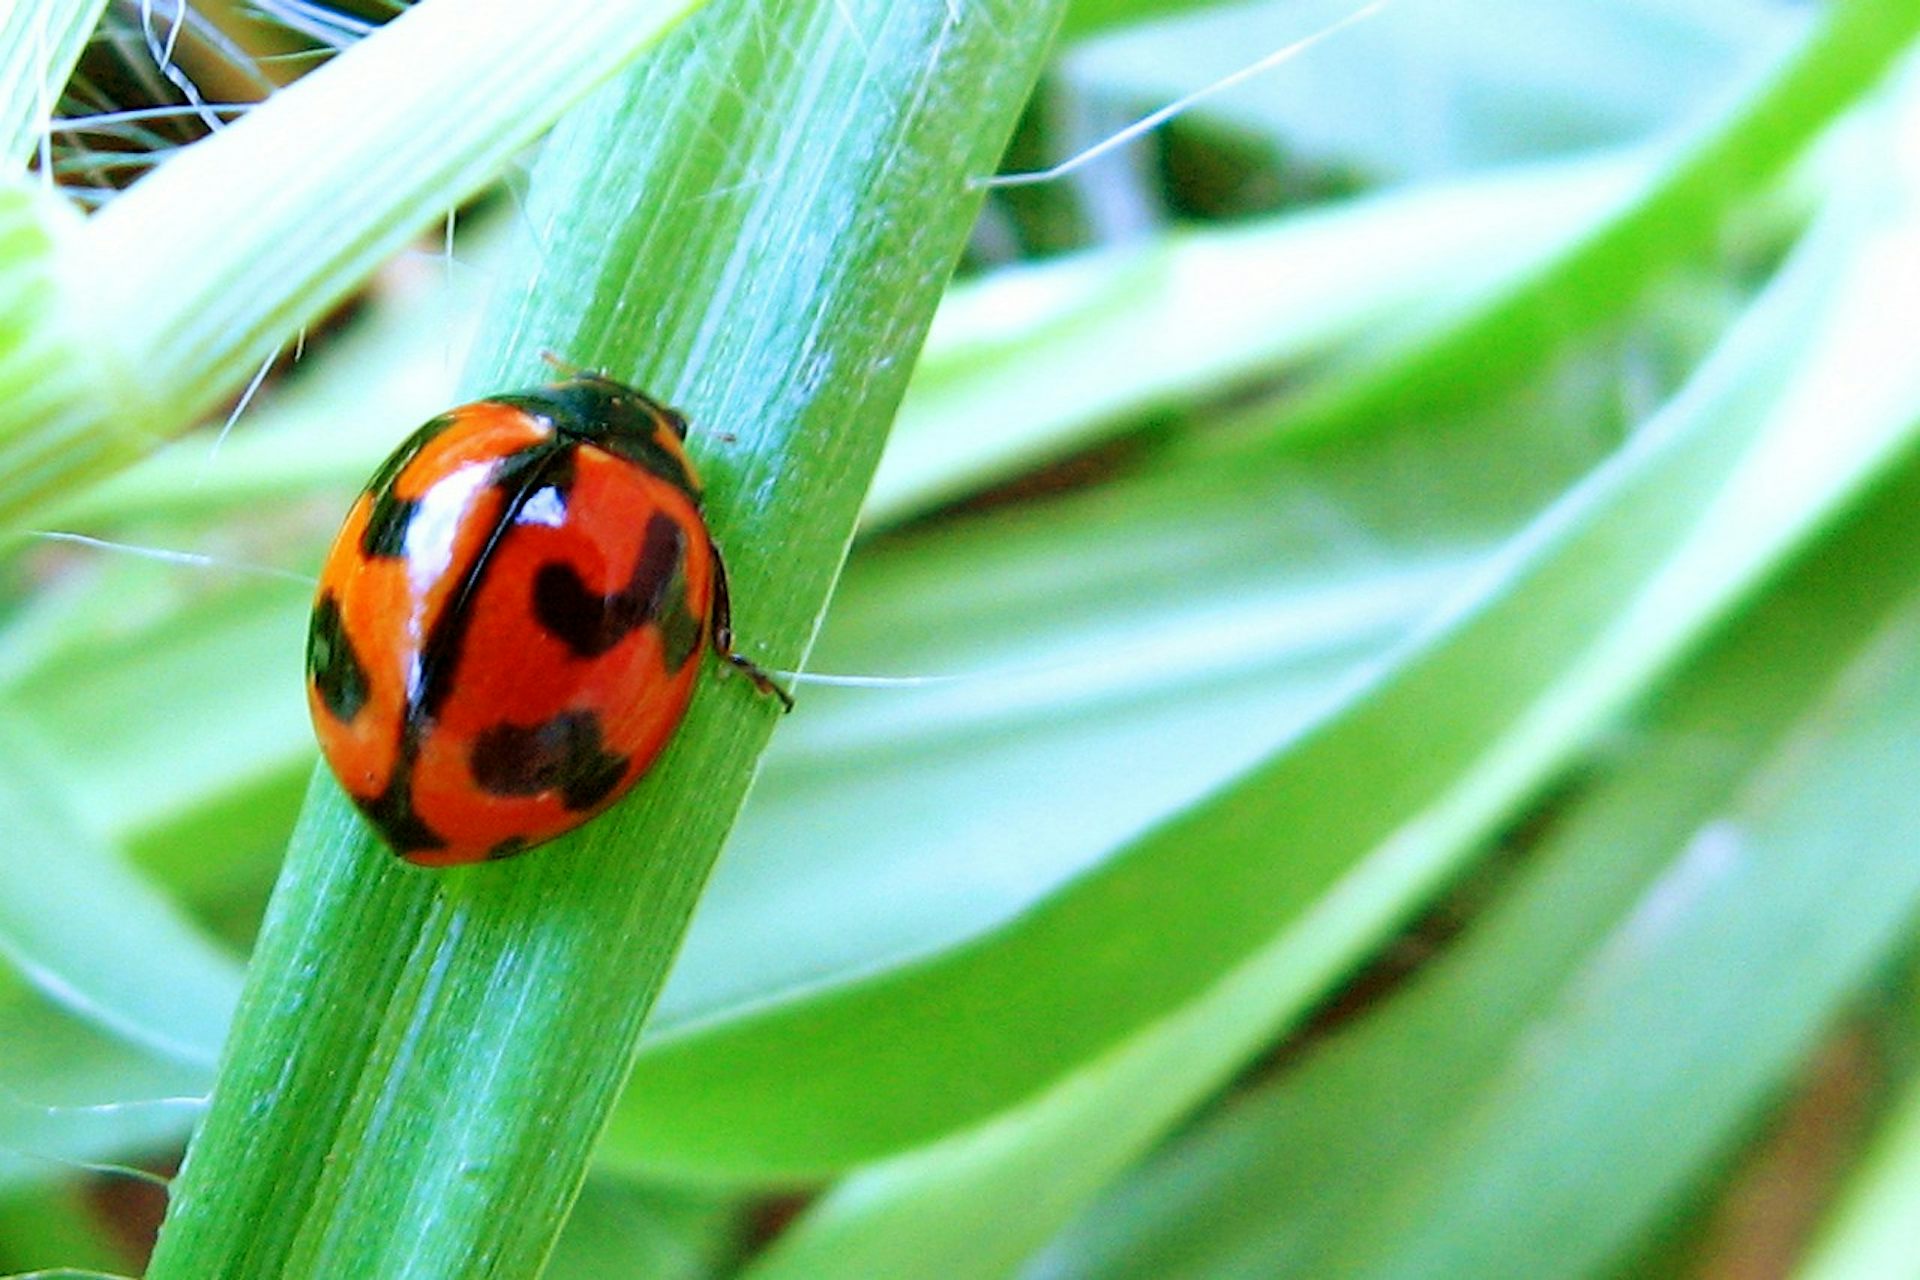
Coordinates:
[566,368]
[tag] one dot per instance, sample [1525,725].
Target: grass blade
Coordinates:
[422,1062]
[1342,828]
[150,979]
[1622,974]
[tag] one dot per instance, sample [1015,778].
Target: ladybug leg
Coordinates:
[722,622]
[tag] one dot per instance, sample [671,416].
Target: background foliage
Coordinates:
[1417,558]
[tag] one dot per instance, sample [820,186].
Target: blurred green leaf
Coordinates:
[1431,86]
[1729,154]
[1537,1096]
[70,1092]
[1731,964]
[89,933]
[233,660]
[1373,802]
[1869,1235]
[978,1203]
[644,1233]
[1032,361]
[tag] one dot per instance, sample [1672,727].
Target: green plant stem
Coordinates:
[40,40]
[178,291]
[46,376]
[757,225]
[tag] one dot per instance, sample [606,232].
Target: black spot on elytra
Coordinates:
[391,812]
[387,520]
[385,537]
[590,623]
[335,669]
[564,754]
[679,629]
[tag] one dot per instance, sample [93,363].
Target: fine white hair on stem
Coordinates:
[134,1172]
[96,1166]
[103,120]
[184,1102]
[43,102]
[510,182]
[853,29]
[1148,123]
[162,54]
[173,35]
[870,682]
[299,55]
[166,555]
[446,246]
[246,398]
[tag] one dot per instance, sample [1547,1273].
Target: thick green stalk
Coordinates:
[40,40]
[756,225]
[47,375]
[179,290]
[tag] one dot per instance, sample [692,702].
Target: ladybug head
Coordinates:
[593,406]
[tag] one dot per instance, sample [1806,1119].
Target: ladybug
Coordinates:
[509,626]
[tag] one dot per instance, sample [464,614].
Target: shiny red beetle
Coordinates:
[509,626]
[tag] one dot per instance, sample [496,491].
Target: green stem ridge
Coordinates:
[56,416]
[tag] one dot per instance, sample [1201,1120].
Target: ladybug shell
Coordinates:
[507,630]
